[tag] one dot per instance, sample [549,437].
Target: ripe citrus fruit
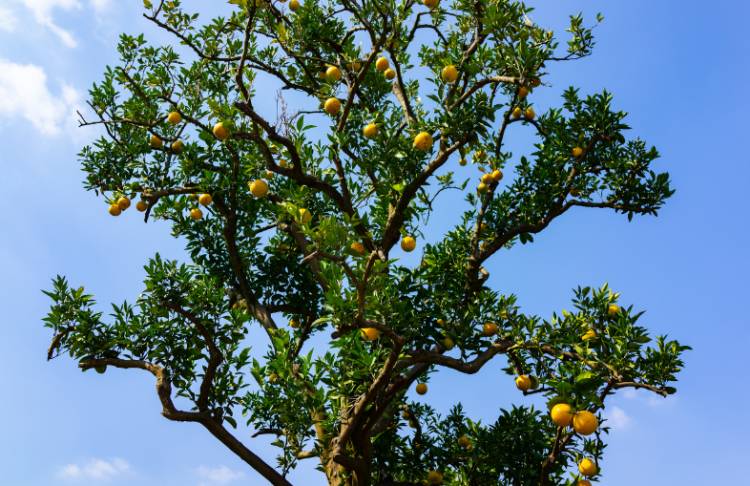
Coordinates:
[220,132]
[294,323]
[523,383]
[587,467]
[259,188]
[529,113]
[205,199]
[178,146]
[482,187]
[273,378]
[370,131]
[575,192]
[124,203]
[612,311]
[534,382]
[282,163]
[430,3]
[174,118]
[517,112]
[583,482]
[369,333]
[358,247]
[448,344]
[293,5]
[463,441]
[561,414]
[389,74]
[433,476]
[421,388]
[462,162]
[449,74]
[115,210]
[333,74]
[423,141]
[590,334]
[585,422]
[353,66]
[155,142]
[332,106]
[535,83]
[489,329]
[382,64]
[408,244]
[488,179]
[523,92]
[497,176]
[304,215]
[196,214]
[141,206]
[577,151]
[440,322]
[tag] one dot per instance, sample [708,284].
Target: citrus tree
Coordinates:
[292,227]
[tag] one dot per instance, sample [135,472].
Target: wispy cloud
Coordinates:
[651,399]
[94,469]
[43,14]
[617,419]
[8,20]
[100,6]
[218,476]
[24,94]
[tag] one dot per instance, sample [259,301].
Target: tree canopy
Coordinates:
[291,222]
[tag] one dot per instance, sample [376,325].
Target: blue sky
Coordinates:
[680,72]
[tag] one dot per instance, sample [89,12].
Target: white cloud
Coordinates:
[8,19]
[43,14]
[24,93]
[94,469]
[617,419]
[100,6]
[219,476]
[649,398]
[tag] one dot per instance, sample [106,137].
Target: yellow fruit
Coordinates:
[205,199]
[462,162]
[123,203]
[408,244]
[517,112]
[294,323]
[155,142]
[282,163]
[612,311]
[333,74]
[332,106]
[115,210]
[178,146]
[141,206]
[268,176]
[561,414]
[575,192]
[535,83]
[529,113]
[463,441]
[353,66]
[523,92]
[220,132]
[585,422]
[390,74]
[448,344]
[534,382]
[273,378]
[449,74]
[577,151]
[430,3]
[587,467]
[489,329]
[382,64]
[196,214]
[583,482]
[194,197]
[358,247]
[321,74]
[482,227]
[497,176]
[423,141]
[259,188]
[488,179]
[421,388]
[369,333]
[304,215]
[590,334]
[523,383]
[412,424]
[174,118]
[370,131]
[293,5]
[440,322]
[482,187]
